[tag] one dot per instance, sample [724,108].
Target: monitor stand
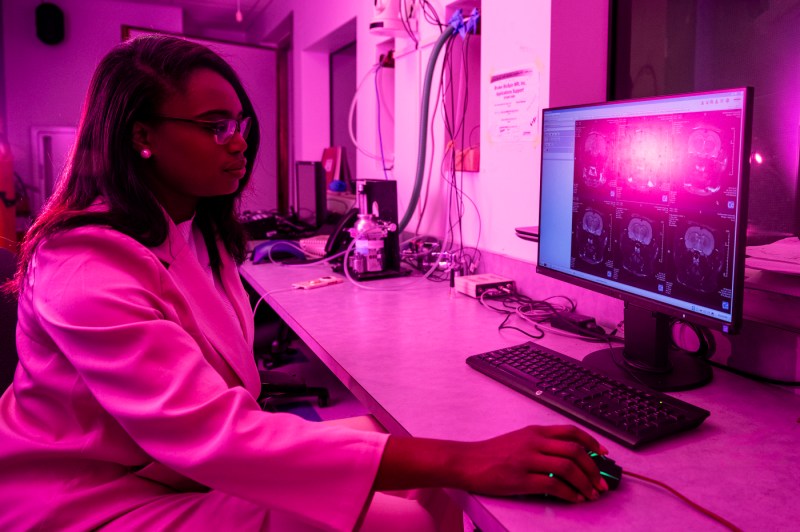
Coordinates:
[649,356]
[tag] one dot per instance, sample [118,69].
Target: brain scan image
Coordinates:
[639,247]
[698,260]
[707,161]
[642,162]
[595,154]
[592,237]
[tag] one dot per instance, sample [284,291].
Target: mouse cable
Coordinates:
[260,299]
[724,522]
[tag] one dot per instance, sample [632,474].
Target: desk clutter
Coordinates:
[261,225]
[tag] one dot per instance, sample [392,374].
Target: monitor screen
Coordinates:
[646,200]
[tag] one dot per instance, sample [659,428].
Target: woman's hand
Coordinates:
[549,460]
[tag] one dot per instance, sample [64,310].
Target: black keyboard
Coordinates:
[629,413]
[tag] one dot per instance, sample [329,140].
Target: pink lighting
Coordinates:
[758,158]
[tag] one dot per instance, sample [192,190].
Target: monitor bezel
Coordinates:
[740,230]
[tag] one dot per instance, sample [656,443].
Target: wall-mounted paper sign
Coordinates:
[515,105]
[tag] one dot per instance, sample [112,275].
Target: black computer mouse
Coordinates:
[609,470]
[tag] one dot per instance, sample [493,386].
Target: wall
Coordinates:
[516,33]
[343,85]
[570,85]
[45,85]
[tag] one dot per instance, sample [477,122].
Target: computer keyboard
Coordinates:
[626,412]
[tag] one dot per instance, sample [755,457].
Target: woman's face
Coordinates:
[187,160]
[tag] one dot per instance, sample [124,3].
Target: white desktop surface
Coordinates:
[402,354]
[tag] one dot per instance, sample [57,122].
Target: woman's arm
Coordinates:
[517,463]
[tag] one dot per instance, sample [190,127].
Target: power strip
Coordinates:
[475,285]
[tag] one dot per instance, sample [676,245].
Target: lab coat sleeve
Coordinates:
[99,295]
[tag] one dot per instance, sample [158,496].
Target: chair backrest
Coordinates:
[8,322]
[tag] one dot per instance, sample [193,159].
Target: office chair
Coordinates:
[271,345]
[8,322]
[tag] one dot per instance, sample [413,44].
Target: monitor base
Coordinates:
[687,371]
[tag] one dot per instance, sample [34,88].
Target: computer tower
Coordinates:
[310,193]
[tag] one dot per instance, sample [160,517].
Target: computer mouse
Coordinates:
[277,250]
[609,470]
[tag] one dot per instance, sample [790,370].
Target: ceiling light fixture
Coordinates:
[238,11]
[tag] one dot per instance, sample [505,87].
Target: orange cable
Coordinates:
[694,505]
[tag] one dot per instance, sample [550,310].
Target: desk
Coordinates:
[402,353]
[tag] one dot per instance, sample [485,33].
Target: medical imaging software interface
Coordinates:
[642,196]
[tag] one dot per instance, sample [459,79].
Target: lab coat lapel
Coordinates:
[231,338]
[232,284]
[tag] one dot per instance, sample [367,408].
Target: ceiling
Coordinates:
[219,15]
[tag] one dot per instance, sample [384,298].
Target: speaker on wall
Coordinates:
[49,23]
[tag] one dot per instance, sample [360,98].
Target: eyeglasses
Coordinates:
[223,130]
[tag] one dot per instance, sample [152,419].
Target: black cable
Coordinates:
[504,326]
[430,163]
[512,303]
[404,20]
[452,128]
[757,378]
[448,153]
[463,130]
[502,297]
[447,68]
[433,16]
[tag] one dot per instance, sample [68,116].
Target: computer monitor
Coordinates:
[646,200]
[310,193]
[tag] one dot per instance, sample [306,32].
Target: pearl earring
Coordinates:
[145,153]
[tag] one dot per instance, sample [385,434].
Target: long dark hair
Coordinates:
[130,83]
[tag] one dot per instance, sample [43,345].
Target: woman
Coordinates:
[134,404]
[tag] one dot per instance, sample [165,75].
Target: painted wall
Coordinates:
[515,34]
[45,85]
